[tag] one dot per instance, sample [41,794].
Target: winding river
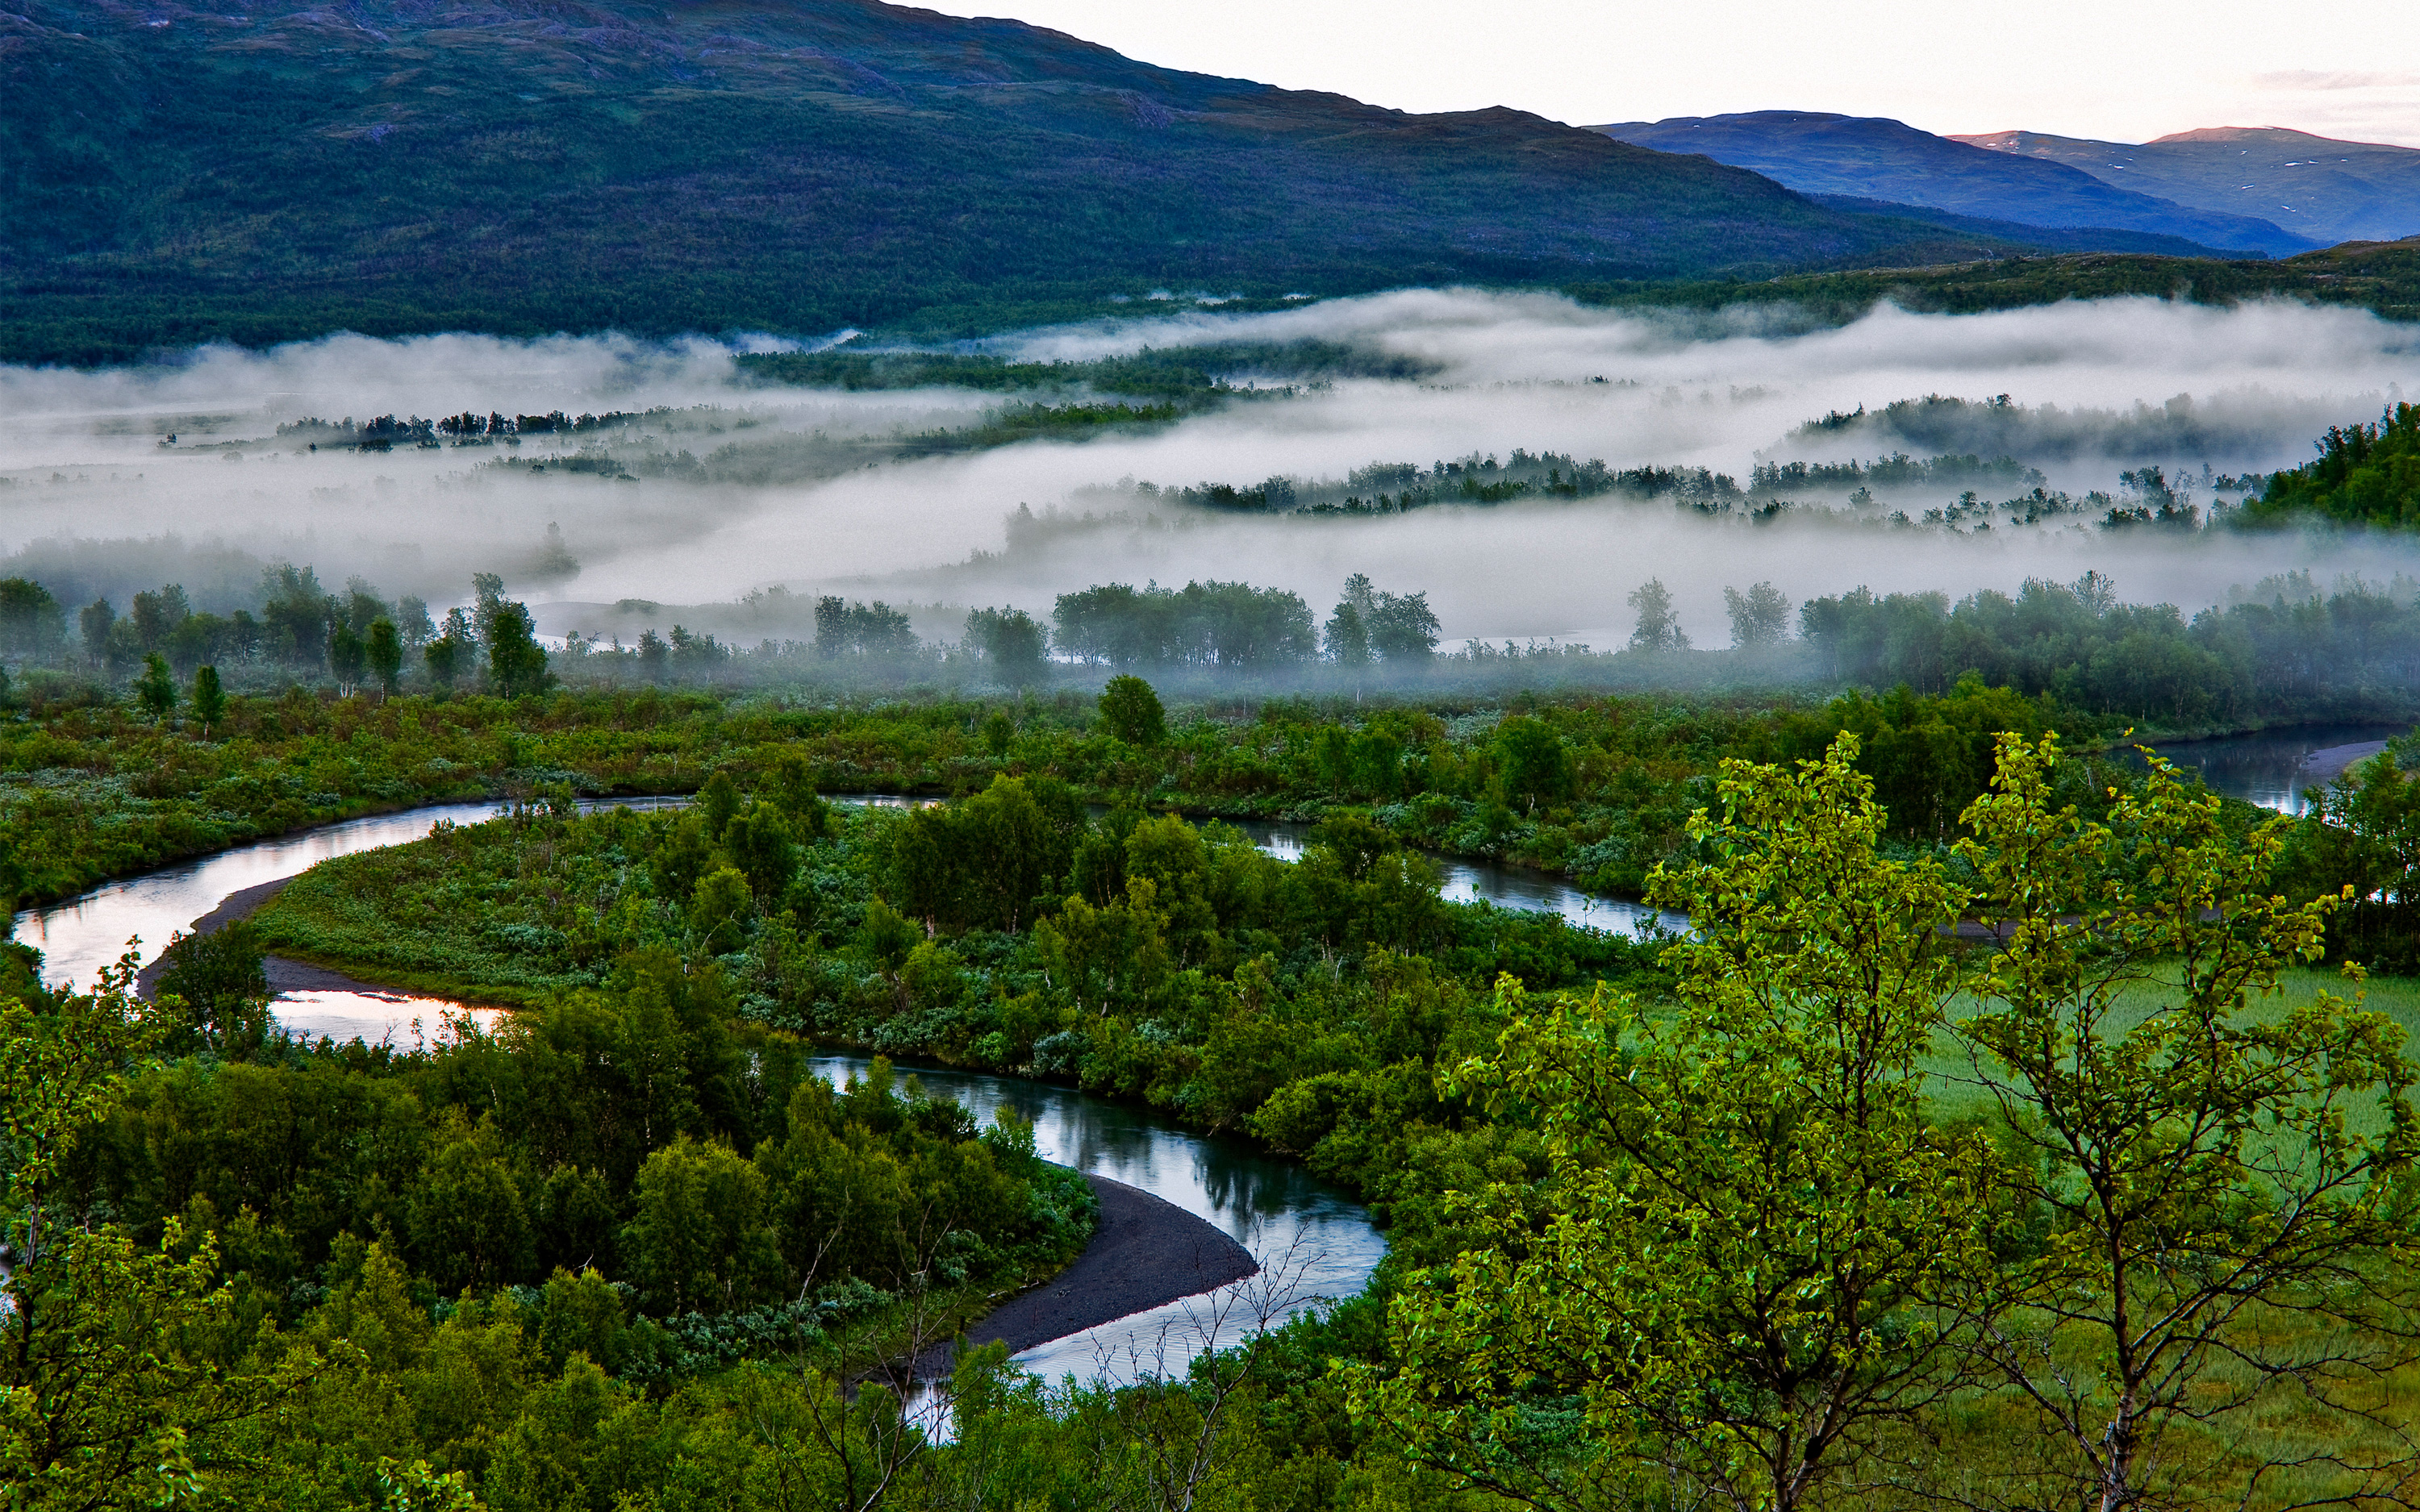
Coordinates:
[1313,1242]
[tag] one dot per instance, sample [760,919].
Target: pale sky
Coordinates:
[2122,70]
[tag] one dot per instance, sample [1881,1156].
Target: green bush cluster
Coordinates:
[628,1252]
[642,1131]
[1014,930]
[97,791]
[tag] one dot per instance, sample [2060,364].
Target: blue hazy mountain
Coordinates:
[2314,186]
[1876,158]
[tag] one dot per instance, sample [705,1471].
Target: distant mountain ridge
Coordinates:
[2314,186]
[2051,239]
[175,173]
[1874,158]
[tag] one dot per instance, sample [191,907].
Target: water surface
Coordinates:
[79,937]
[1313,1242]
[1522,888]
[2272,767]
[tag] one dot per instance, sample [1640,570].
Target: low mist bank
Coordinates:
[711,484]
[2284,650]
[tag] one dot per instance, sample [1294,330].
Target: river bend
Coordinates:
[1311,1240]
[1309,1237]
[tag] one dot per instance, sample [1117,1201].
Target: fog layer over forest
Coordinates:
[678,484]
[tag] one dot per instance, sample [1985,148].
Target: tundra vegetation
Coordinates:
[1819,1203]
[2012,1128]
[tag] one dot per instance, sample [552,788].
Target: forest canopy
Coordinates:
[2364,475]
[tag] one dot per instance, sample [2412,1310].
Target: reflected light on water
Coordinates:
[1523,889]
[1314,1244]
[395,1019]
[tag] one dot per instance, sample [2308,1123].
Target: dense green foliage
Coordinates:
[1008,932]
[2364,475]
[640,1132]
[356,1269]
[625,1252]
[1746,1192]
[2281,651]
[1230,625]
[1764,1269]
[107,791]
[2364,833]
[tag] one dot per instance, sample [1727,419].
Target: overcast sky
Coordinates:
[2123,70]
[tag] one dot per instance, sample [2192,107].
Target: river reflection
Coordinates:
[80,937]
[1313,1242]
[1318,1243]
[2274,766]
[2270,768]
[1518,888]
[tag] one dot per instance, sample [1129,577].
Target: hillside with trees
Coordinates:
[2384,277]
[2364,475]
[180,176]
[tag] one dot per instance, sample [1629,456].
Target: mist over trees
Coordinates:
[1013,642]
[1987,454]
[1759,617]
[1230,625]
[1658,629]
[2284,648]
[354,639]
[851,629]
[2364,475]
[1978,1136]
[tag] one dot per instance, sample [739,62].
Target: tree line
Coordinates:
[2285,648]
[357,639]
[382,433]
[1158,373]
[1233,626]
[2364,476]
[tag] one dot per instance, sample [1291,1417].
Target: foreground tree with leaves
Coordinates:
[1741,1276]
[2216,1297]
[115,1391]
[98,1407]
[1764,1272]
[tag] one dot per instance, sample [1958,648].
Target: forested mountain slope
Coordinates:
[2314,186]
[1886,160]
[2384,277]
[173,174]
